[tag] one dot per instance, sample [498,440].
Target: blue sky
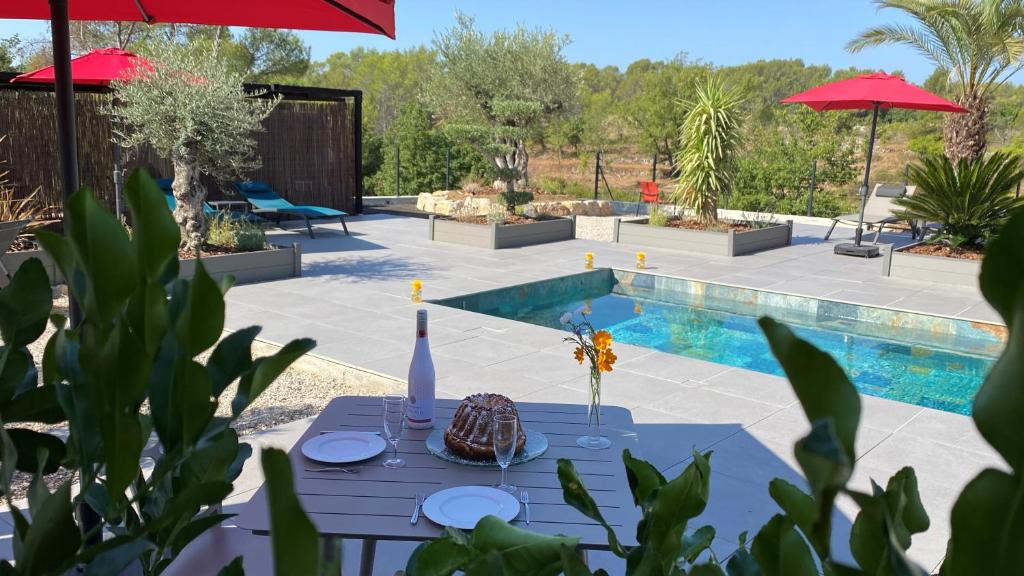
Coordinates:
[618,32]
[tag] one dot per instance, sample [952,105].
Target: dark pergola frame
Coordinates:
[287,92]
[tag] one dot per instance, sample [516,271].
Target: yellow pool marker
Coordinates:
[417,291]
[588,260]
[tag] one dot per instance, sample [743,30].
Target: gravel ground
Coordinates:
[301,391]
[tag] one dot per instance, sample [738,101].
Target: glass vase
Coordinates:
[593,440]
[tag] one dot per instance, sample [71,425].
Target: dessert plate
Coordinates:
[536,444]
[343,447]
[464,506]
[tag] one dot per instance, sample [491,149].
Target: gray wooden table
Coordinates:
[376,503]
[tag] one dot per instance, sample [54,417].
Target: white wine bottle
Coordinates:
[420,411]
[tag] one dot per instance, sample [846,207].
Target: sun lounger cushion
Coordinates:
[890,191]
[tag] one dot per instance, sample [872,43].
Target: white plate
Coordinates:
[464,506]
[343,447]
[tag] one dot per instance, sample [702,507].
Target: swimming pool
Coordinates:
[925,360]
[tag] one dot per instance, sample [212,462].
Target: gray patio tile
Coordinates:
[767,388]
[628,389]
[554,368]
[885,414]
[789,425]
[483,350]
[672,367]
[735,506]
[667,439]
[752,279]
[710,407]
[814,286]
[931,303]
[744,456]
[557,395]
[466,380]
[939,467]
[951,429]
[880,297]
[983,312]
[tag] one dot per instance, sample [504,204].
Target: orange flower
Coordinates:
[605,359]
[602,339]
[578,354]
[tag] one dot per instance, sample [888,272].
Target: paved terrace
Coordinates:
[354,300]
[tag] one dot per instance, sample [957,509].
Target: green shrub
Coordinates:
[657,216]
[564,187]
[515,198]
[146,336]
[972,199]
[238,235]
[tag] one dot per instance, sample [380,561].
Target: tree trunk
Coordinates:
[189,196]
[964,134]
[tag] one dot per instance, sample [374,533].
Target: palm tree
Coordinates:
[977,43]
[708,140]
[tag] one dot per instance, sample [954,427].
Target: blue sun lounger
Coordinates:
[208,211]
[267,202]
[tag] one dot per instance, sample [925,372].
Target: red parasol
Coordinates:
[96,68]
[874,92]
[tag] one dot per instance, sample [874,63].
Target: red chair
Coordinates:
[649,194]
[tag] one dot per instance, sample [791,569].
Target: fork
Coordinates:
[524,497]
[416,511]
[333,469]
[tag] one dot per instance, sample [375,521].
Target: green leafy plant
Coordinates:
[511,199]
[236,234]
[658,216]
[972,198]
[708,140]
[142,331]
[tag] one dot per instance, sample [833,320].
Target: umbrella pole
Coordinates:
[67,143]
[867,175]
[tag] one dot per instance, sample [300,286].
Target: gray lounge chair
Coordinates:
[879,211]
[8,234]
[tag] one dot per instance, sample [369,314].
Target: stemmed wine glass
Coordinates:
[504,433]
[394,420]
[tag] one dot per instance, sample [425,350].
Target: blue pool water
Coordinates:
[915,363]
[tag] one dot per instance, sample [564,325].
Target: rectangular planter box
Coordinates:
[246,267]
[13,260]
[731,243]
[956,271]
[497,237]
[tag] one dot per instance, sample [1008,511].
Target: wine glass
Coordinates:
[504,433]
[394,420]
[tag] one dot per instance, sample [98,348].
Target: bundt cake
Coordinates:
[470,433]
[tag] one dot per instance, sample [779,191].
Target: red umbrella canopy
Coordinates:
[370,16]
[863,92]
[96,68]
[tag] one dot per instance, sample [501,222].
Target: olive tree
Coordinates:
[492,91]
[191,108]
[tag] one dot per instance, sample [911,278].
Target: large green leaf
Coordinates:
[781,551]
[265,370]
[988,526]
[202,319]
[293,537]
[35,405]
[799,506]
[526,551]
[25,305]
[643,478]
[231,358]
[156,235]
[660,533]
[695,543]
[882,530]
[113,562]
[103,252]
[575,494]
[17,371]
[999,404]
[27,445]
[50,543]
[443,556]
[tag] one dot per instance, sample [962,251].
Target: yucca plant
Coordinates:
[12,208]
[972,198]
[708,139]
